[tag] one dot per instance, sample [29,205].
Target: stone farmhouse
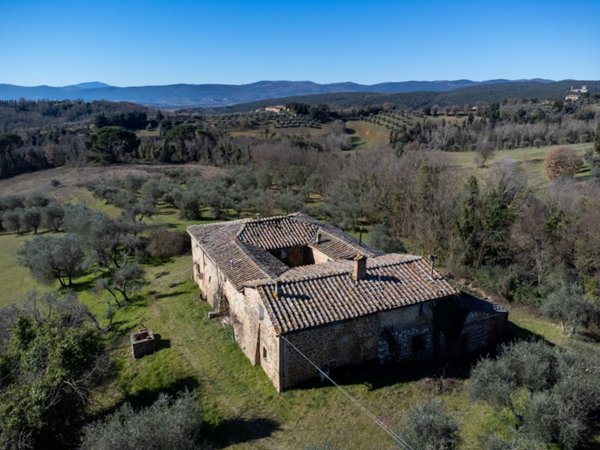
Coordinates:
[294,288]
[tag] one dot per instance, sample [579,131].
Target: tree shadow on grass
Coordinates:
[157,261]
[146,397]
[171,294]
[226,432]
[239,430]
[81,286]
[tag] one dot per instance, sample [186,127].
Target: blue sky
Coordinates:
[176,41]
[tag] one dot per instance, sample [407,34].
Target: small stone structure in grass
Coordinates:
[142,343]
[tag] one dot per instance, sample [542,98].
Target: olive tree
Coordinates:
[428,426]
[51,258]
[167,423]
[124,281]
[568,305]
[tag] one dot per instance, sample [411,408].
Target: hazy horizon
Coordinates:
[137,43]
[84,82]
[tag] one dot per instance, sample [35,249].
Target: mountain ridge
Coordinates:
[185,95]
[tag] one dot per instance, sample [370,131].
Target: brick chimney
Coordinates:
[359,270]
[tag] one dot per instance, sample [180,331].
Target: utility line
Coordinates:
[363,408]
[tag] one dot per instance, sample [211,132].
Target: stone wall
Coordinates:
[319,257]
[215,287]
[209,278]
[402,334]
[350,342]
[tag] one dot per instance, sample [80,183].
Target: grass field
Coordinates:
[368,135]
[531,159]
[241,407]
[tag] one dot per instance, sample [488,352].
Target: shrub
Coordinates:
[49,359]
[562,161]
[163,243]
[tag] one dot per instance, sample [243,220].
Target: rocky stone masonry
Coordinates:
[142,343]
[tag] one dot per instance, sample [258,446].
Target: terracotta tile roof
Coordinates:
[240,248]
[320,294]
[298,230]
[240,263]
[277,232]
[337,244]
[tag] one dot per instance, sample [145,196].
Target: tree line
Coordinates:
[500,127]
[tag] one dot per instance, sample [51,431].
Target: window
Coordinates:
[284,253]
[418,343]
[264,353]
[421,309]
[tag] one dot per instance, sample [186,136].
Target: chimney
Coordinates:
[432,259]
[359,271]
[318,237]
[277,293]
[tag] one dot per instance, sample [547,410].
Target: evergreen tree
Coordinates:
[468,223]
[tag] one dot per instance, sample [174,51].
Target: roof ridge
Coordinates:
[242,246]
[344,268]
[380,263]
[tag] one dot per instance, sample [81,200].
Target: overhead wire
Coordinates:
[396,437]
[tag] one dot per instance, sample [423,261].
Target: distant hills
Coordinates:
[220,95]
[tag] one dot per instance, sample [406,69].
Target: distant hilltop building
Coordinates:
[277,109]
[575,93]
[583,90]
[300,294]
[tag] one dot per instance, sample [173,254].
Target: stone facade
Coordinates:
[142,343]
[336,312]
